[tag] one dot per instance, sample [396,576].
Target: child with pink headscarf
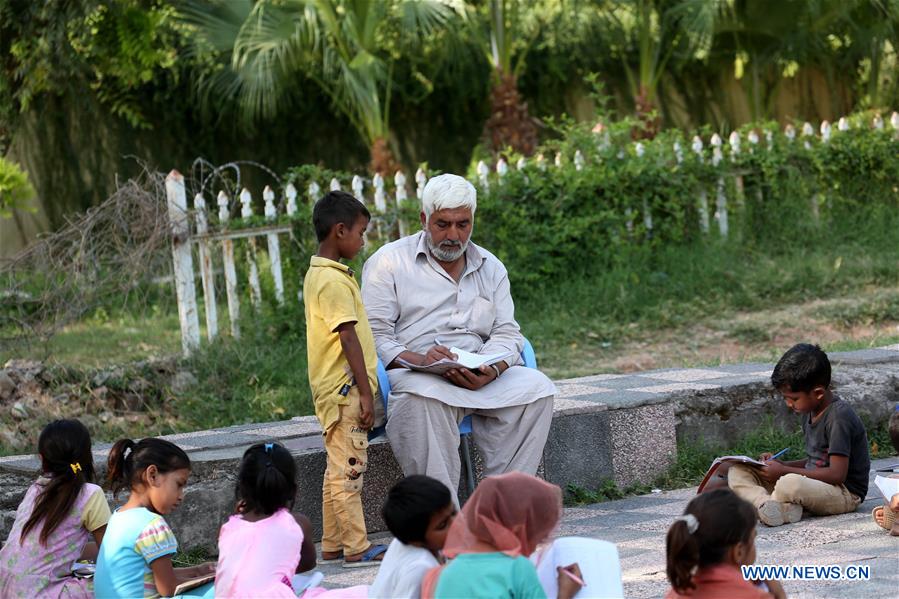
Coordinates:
[490,540]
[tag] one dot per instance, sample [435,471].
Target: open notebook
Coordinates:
[464,359]
[598,561]
[727,459]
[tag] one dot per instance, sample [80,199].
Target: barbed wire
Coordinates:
[114,253]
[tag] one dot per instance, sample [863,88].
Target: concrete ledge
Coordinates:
[623,427]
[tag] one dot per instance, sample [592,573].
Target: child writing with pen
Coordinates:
[833,478]
[490,540]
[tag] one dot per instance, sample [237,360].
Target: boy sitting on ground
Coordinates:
[834,477]
[418,511]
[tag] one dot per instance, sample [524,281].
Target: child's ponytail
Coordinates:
[118,472]
[712,523]
[128,460]
[267,479]
[682,550]
[64,447]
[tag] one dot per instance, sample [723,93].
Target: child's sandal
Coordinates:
[889,517]
[369,558]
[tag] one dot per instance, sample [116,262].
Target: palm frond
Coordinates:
[217,22]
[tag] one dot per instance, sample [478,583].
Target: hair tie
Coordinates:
[126,452]
[268,447]
[691,522]
[76,468]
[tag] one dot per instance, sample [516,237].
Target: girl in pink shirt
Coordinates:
[263,545]
[707,545]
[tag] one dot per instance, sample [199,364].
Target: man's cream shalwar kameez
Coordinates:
[412,303]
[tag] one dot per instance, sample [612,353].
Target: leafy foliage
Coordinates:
[15,190]
[548,223]
[346,48]
[115,48]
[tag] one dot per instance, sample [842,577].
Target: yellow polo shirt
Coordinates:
[332,297]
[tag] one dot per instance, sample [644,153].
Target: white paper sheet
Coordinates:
[598,561]
[888,486]
[464,360]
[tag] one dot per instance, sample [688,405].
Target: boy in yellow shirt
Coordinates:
[342,374]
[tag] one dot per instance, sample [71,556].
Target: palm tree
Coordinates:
[346,47]
[652,36]
[510,123]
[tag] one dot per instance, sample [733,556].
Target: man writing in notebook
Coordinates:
[434,290]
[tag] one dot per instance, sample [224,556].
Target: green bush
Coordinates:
[15,190]
[551,223]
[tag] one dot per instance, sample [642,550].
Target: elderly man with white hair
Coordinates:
[433,290]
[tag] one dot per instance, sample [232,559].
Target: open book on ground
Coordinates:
[464,359]
[888,486]
[598,561]
[712,474]
[189,585]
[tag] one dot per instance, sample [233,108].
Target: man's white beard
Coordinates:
[447,251]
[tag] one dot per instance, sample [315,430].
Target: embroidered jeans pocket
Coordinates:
[483,313]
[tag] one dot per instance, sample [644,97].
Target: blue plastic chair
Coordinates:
[530,361]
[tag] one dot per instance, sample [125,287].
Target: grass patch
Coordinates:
[876,309]
[192,557]
[695,457]
[608,491]
[261,377]
[102,340]
[678,287]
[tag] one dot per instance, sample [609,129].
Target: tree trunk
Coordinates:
[510,123]
[648,118]
[382,159]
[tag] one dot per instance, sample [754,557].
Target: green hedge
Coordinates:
[550,223]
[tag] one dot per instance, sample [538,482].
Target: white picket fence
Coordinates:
[192,226]
[187,231]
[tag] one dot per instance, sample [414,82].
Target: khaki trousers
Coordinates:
[343,521]
[424,436]
[816,497]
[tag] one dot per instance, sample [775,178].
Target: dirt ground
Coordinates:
[837,325]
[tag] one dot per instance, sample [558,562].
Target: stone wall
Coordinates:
[623,428]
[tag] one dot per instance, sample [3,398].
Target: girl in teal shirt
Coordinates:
[490,540]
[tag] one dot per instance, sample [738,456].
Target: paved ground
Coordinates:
[638,526]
